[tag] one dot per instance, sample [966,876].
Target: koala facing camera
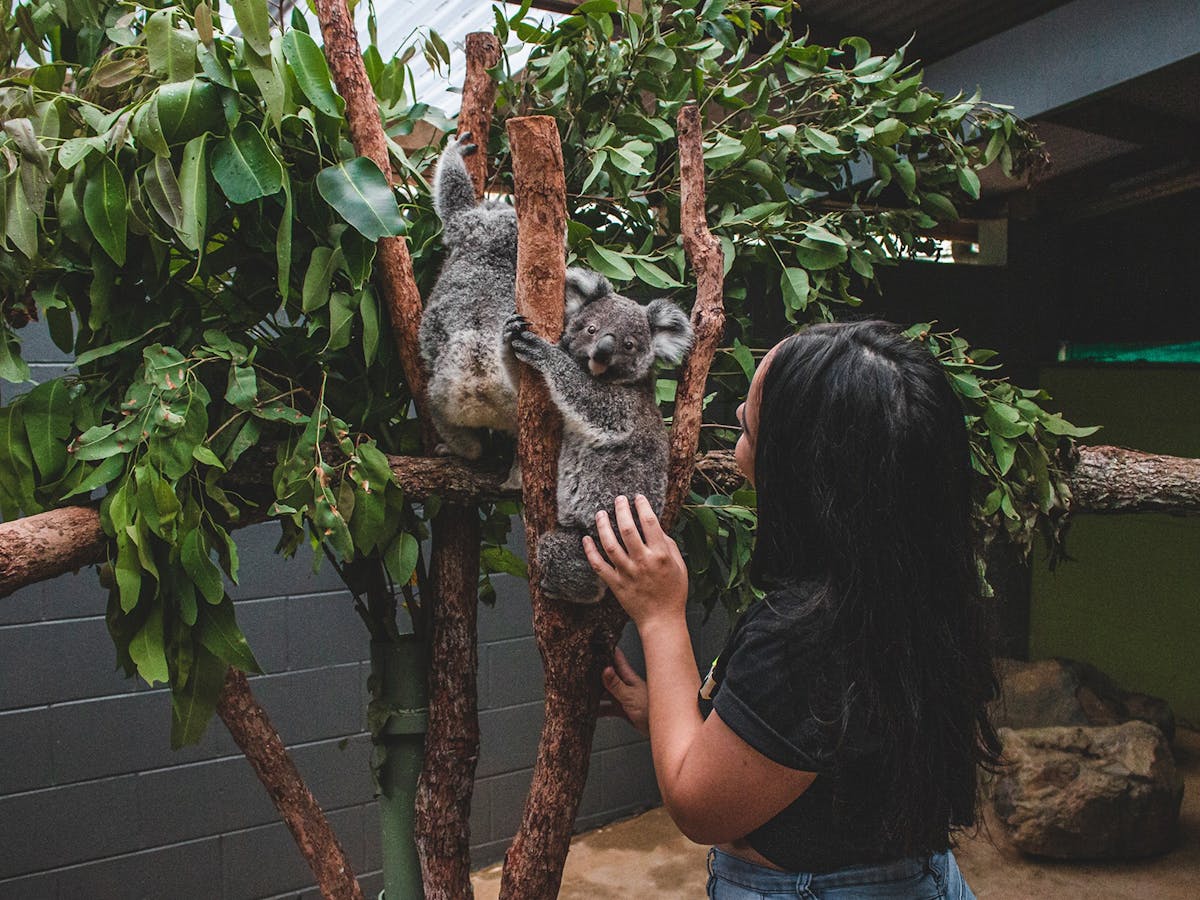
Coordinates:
[601,377]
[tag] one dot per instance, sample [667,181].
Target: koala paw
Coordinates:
[462,142]
[519,335]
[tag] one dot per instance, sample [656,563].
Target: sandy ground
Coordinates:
[646,856]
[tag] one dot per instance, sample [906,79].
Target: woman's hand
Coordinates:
[630,699]
[647,575]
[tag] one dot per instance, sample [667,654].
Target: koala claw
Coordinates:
[464,145]
[517,328]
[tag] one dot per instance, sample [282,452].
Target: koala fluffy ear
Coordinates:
[583,287]
[670,330]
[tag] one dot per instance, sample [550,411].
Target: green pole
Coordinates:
[398,670]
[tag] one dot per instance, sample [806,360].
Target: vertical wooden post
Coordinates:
[576,643]
[452,742]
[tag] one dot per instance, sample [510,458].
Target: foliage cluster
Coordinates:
[181,205]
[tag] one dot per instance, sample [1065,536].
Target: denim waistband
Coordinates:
[761,878]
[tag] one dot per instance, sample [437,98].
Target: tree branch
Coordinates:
[1104,480]
[708,313]
[394,263]
[264,750]
[443,804]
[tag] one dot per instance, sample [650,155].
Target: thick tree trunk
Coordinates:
[533,867]
[576,644]
[447,782]
[253,733]
[452,742]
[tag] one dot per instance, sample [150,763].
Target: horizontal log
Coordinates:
[1102,480]
[1117,480]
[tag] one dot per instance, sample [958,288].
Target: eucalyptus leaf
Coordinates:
[311,71]
[245,166]
[362,196]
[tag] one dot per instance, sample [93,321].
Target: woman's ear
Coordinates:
[670,331]
[583,286]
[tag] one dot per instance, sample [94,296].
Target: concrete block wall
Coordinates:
[95,804]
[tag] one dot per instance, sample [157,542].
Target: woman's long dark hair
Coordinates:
[863,478]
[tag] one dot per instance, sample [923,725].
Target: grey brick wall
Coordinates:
[94,804]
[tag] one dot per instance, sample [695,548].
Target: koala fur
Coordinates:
[472,376]
[601,378]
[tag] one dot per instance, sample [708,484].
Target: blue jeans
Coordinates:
[731,878]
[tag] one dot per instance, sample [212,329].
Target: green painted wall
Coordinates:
[1129,601]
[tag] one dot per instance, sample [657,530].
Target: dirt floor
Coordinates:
[647,857]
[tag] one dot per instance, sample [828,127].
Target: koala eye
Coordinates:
[591,329]
[628,344]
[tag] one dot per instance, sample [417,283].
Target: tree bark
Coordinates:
[395,275]
[1104,480]
[253,733]
[533,866]
[444,792]
[1116,480]
[708,313]
[576,644]
[443,807]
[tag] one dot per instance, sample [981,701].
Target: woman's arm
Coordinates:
[716,787]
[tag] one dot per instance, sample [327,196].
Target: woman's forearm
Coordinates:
[673,684]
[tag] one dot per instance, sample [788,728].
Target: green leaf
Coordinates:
[283,242]
[146,648]
[795,286]
[171,52]
[368,308]
[609,262]
[193,704]
[194,555]
[245,166]
[1004,420]
[824,141]
[21,224]
[47,417]
[254,20]
[906,175]
[188,109]
[342,307]
[96,353]
[967,385]
[501,559]
[1055,424]
[219,633]
[242,390]
[1004,449]
[654,275]
[745,359]
[940,206]
[311,71]
[103,441]
[12,367]
[101,475]
[362,196]
[162,189]
[969,182]
[401,558]
[193,187]
[321,265]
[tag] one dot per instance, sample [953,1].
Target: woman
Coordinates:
[848,709]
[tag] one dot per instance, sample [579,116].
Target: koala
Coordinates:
[472,376]
[601,378]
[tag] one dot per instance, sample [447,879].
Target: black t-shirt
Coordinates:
[779,691]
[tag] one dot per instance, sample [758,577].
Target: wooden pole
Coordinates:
[443,806]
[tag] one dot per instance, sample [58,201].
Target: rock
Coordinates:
[1067,692]
[1089,792]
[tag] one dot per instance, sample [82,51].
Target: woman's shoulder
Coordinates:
[783,607]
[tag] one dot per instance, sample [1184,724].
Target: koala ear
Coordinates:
[583,287]
[670,330]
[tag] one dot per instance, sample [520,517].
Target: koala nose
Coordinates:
[603,351]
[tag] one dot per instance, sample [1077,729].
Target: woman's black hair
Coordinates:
[863,478]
